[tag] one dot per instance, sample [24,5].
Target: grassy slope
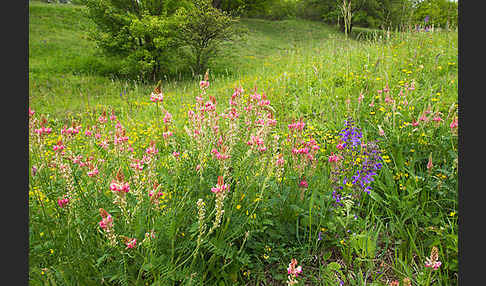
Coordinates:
[64,65]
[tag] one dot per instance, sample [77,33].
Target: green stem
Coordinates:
[428,278]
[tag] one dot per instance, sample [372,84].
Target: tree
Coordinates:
[142,32]
[202,29]
[358,11]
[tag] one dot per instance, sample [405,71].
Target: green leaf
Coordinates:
[147,266]
[267,221]
[375,196]
[333,266]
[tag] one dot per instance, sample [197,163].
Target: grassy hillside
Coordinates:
[63,61]
[401,91]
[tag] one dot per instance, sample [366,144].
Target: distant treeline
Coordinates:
[379,14]
[387,14]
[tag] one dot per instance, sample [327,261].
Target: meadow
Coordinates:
[300,148]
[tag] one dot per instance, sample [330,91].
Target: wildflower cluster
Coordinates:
[354,165]
[304,150]
[120,188]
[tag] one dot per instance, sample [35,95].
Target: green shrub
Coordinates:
[140,31]
[439,13]
[282,9]
[201,30]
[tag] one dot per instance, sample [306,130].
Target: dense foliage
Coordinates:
[383,14]
[438,13]
[149,34]
[202,29]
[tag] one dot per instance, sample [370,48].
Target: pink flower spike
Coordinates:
[333,158]
[63,202]
[167,134]
[437,118]
[167,118]
[303,184]
[429,164]
[292,269]
[204,84]
[454,123]
[380,131]
[159,97]
[360,97]
[126,187]
[102,119]
[93,172]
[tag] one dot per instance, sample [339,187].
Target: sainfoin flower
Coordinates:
[454,123]
[437,118]
[167,118]
[59,147]
[167,134]
[131,243]
[120,186]
[204,84]
[93,172]
[43,130]
[102,119]
[220,187]
[106,220]
[63,202]
[152,150]
[340,146]
[293,271]
[433,261]
[333,157]
[303,184]
[157,95]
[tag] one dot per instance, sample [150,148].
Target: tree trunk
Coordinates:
[342,26]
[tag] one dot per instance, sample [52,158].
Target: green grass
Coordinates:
[307,70]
